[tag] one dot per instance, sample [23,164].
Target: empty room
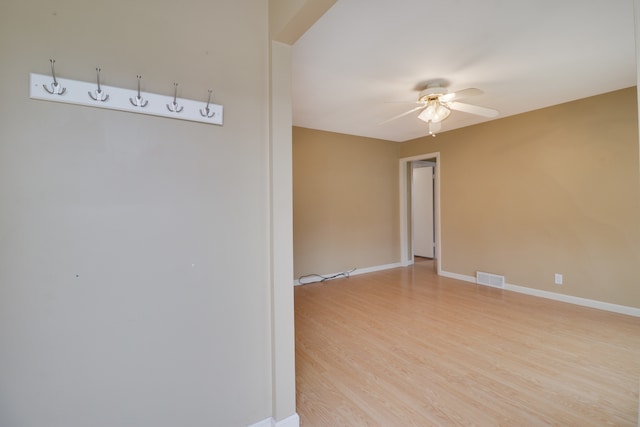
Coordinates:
[274,213]
[523,307]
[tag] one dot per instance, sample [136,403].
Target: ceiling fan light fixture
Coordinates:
[442,113]
[433,128]
[434,112]
[435,104]
[429,112]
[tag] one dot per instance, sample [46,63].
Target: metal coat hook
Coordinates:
[99,94]
[138,101]
[56,88]
[173,107]
[206,112]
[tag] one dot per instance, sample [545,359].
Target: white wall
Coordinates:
[134,253]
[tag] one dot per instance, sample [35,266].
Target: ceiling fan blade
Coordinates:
[464,93]
[406,113]
[473,109]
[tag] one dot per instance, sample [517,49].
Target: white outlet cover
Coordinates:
[558,279]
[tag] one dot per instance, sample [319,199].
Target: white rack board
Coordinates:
[78,92]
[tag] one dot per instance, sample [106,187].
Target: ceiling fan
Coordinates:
[436,104]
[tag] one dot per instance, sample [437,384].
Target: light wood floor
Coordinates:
[405,347]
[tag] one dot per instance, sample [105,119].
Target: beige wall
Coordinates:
[288,20]
[345,202]
[551,191]
[134,250]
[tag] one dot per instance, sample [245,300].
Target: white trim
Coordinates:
[376,268]
[292,421]
[354,272]
[406,258]
[457,276]
[264,423]
[606,306]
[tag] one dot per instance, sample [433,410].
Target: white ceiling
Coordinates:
[362,56]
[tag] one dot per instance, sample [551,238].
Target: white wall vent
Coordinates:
[489,279]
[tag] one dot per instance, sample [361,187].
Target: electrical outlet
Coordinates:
[558,279]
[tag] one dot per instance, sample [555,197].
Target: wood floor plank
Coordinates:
[405,347]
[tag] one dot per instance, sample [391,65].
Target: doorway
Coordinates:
[422,212]
[407,223]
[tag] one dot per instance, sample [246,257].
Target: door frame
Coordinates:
[406,244]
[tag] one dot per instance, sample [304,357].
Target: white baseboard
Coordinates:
[615,308]
[353,273]
[264,423]
[376,268]
[458,276]
[292,421]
